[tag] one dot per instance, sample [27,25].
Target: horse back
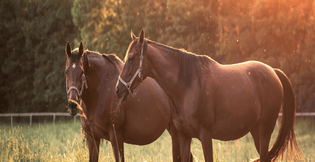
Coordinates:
[256,80]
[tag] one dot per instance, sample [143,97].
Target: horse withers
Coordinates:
[215,101]
[91,79]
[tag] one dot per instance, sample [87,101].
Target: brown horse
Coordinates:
[215,101]
[91,77]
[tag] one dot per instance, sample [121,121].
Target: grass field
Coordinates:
[63,142]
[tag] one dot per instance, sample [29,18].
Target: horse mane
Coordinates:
[189,63]
[97,58]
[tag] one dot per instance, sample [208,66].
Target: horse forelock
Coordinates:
[75,56]
[129,48]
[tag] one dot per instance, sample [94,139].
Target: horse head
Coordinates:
[133,73]
[75,77]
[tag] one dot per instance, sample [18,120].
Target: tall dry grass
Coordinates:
[64,142]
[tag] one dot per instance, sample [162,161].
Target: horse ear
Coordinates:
[141,36]
[85,61]
[133,37]
[68,49]
[81,49]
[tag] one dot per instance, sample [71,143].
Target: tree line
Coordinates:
[34,33]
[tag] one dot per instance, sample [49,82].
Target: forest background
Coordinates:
[280,33]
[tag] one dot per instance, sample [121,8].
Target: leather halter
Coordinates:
[138,73]
[84,84]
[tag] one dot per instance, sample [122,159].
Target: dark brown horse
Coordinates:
[215,101]
[91,78]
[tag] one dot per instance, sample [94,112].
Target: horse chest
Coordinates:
[190,116]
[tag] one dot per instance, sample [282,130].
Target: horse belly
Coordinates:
[235,124]
[144,132]
[146,122]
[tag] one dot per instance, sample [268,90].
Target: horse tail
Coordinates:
[286,136]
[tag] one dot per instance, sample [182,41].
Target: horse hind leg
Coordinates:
[263,148]
[262,135]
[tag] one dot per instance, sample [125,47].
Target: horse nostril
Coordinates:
[70,104]
[116,89]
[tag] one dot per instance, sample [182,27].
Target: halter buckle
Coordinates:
[128,85]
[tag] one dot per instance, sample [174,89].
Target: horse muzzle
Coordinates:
[121,92]
[73,105]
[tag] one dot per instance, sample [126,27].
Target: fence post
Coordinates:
[31,120]
[54,119]
[11,120]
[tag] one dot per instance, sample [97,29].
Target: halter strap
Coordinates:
[138,73]
[84,84]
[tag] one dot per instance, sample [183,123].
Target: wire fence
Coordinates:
[305,114]
[36,114]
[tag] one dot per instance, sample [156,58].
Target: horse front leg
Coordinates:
[116,140]
[175,144]
[206,142]
[184,143]
[93,145]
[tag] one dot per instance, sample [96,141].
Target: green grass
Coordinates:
[63,142]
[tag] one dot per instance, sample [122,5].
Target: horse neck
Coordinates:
[103,72]
[164,67]
[101,81]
